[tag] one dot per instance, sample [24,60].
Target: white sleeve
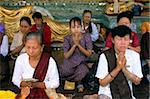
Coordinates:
[14,42]
[17,74]
[102,69]
[52,77]
[136,68]
[4,46]
[95,33]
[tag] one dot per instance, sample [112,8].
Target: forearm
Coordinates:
[136,80]
[84,51]
[110,77]
[17,49]
[70,52]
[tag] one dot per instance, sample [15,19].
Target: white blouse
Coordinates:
[23,70]
[4,46]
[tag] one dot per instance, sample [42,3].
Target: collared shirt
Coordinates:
[94,34]
[23,70]
[4,46]
[133,65]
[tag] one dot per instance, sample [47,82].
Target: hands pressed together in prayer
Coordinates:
[121,60]
[76,39]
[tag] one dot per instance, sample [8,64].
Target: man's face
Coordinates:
[38,21]
[121,43]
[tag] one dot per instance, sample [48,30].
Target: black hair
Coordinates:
[87,11]
[108,30]
[37,15]
[75,19]
[126,14]
[27,19]
[121,31]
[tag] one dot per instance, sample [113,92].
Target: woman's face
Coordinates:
[87,17]
[75,27]
[121,43]
[33,47]
[124,21]
[24,26]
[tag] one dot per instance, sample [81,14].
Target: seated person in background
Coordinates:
[17,46]
[88,26]
[43,28]
[125,19]
[35,64]
[77,47]
[119,67]
[3,53]
[145,48]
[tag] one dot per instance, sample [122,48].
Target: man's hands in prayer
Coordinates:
[121,60]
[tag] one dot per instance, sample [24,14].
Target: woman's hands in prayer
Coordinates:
[76,39]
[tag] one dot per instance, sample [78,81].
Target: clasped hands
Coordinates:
[121,60]
[76,39]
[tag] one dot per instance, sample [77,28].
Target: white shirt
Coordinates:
[4,46]
[94,34]
[17,41]
[23,70]
[134,66]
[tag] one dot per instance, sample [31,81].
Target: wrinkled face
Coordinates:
[38,21]
[75,27]
[124,21]
[24,26]
[87,17]
[121,43]
[33,47]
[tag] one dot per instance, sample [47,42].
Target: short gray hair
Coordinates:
[33,35]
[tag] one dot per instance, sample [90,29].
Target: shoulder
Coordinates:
[67,37]
[22,56]
[132,53]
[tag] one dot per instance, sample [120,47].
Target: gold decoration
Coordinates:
[123,6]
[11,19]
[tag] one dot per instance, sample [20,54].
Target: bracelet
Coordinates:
[111,75]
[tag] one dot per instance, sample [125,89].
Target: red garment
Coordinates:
[40,73]
[46,34]
[134,38]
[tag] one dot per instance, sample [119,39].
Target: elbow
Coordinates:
[66,57]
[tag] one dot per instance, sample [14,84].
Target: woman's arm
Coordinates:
[70,52]
[52,77]
[4,46]
[84,51]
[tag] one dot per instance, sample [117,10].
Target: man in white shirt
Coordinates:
[119,67]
